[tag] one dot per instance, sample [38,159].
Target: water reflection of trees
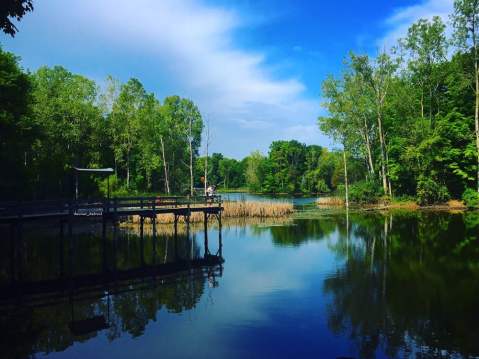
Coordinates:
[297,232]
[46,329]
[410,284]
[30,329]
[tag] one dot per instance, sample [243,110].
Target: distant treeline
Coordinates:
[411,115]
[289,167]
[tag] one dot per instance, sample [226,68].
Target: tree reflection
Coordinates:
[28,328]
[408,287]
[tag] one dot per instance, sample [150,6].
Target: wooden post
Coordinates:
[12,252]
[176,236]
[115,209]
[154,240]
[187,222]
[220,238]
[115,243]
[142,254]
[21,251]
[61,262]
[205,224]
[103,247]
[76,185]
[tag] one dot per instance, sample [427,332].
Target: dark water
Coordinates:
[363,285]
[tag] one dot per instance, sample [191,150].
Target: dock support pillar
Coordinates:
[176,236]
[142,241]
[205,225]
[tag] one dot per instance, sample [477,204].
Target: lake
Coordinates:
[355,285]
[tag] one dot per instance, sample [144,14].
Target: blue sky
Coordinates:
[254,67]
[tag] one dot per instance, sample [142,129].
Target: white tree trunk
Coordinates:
[165,167]
[190,141]
[383,153]
[346,185]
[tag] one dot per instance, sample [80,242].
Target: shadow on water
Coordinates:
[57,289]
[409,285]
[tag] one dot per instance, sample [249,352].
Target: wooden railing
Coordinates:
[99,206]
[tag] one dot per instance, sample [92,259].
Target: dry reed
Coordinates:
[168,229]
[330,201]
[233,210]
[455,204]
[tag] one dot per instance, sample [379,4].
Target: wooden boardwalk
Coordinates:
[109,209]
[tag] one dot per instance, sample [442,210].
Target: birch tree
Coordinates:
[378,75]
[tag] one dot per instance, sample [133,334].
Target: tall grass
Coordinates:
[330,201]
[168,229]
[243,209]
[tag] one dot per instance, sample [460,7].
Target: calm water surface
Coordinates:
[358,285]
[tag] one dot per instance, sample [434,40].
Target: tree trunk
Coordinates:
[206,170]
[387,174]
[383,154]
[128,170]
[191,163]
[346,189]
[167,183]
[368,148]
[206,157]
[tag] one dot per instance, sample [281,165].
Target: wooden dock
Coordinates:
[109,209]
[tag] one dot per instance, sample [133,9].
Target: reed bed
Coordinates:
[243,209]
[330,201]
[232,222]
[257,209]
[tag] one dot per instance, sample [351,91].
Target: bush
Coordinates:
[117,189]
[471,198]
[364,192]
[322,187]
[429,191]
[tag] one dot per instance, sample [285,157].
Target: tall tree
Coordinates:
[378,75]
[15,125]
[466,33]
[427,47]
[125,123]
[338,123]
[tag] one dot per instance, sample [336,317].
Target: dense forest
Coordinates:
[412,113]
[406,123]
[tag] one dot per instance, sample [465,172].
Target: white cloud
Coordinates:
[194,43]
[403,18]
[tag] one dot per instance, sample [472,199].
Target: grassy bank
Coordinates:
[409,204]
[244,209]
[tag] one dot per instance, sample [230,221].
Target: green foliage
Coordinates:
[16,128]
[13,9]
[429,191]
[407,116]
[471,198]
[364,192]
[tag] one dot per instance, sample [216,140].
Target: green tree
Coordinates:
[466,33]
[125,122]
[13,9]
[16,128]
